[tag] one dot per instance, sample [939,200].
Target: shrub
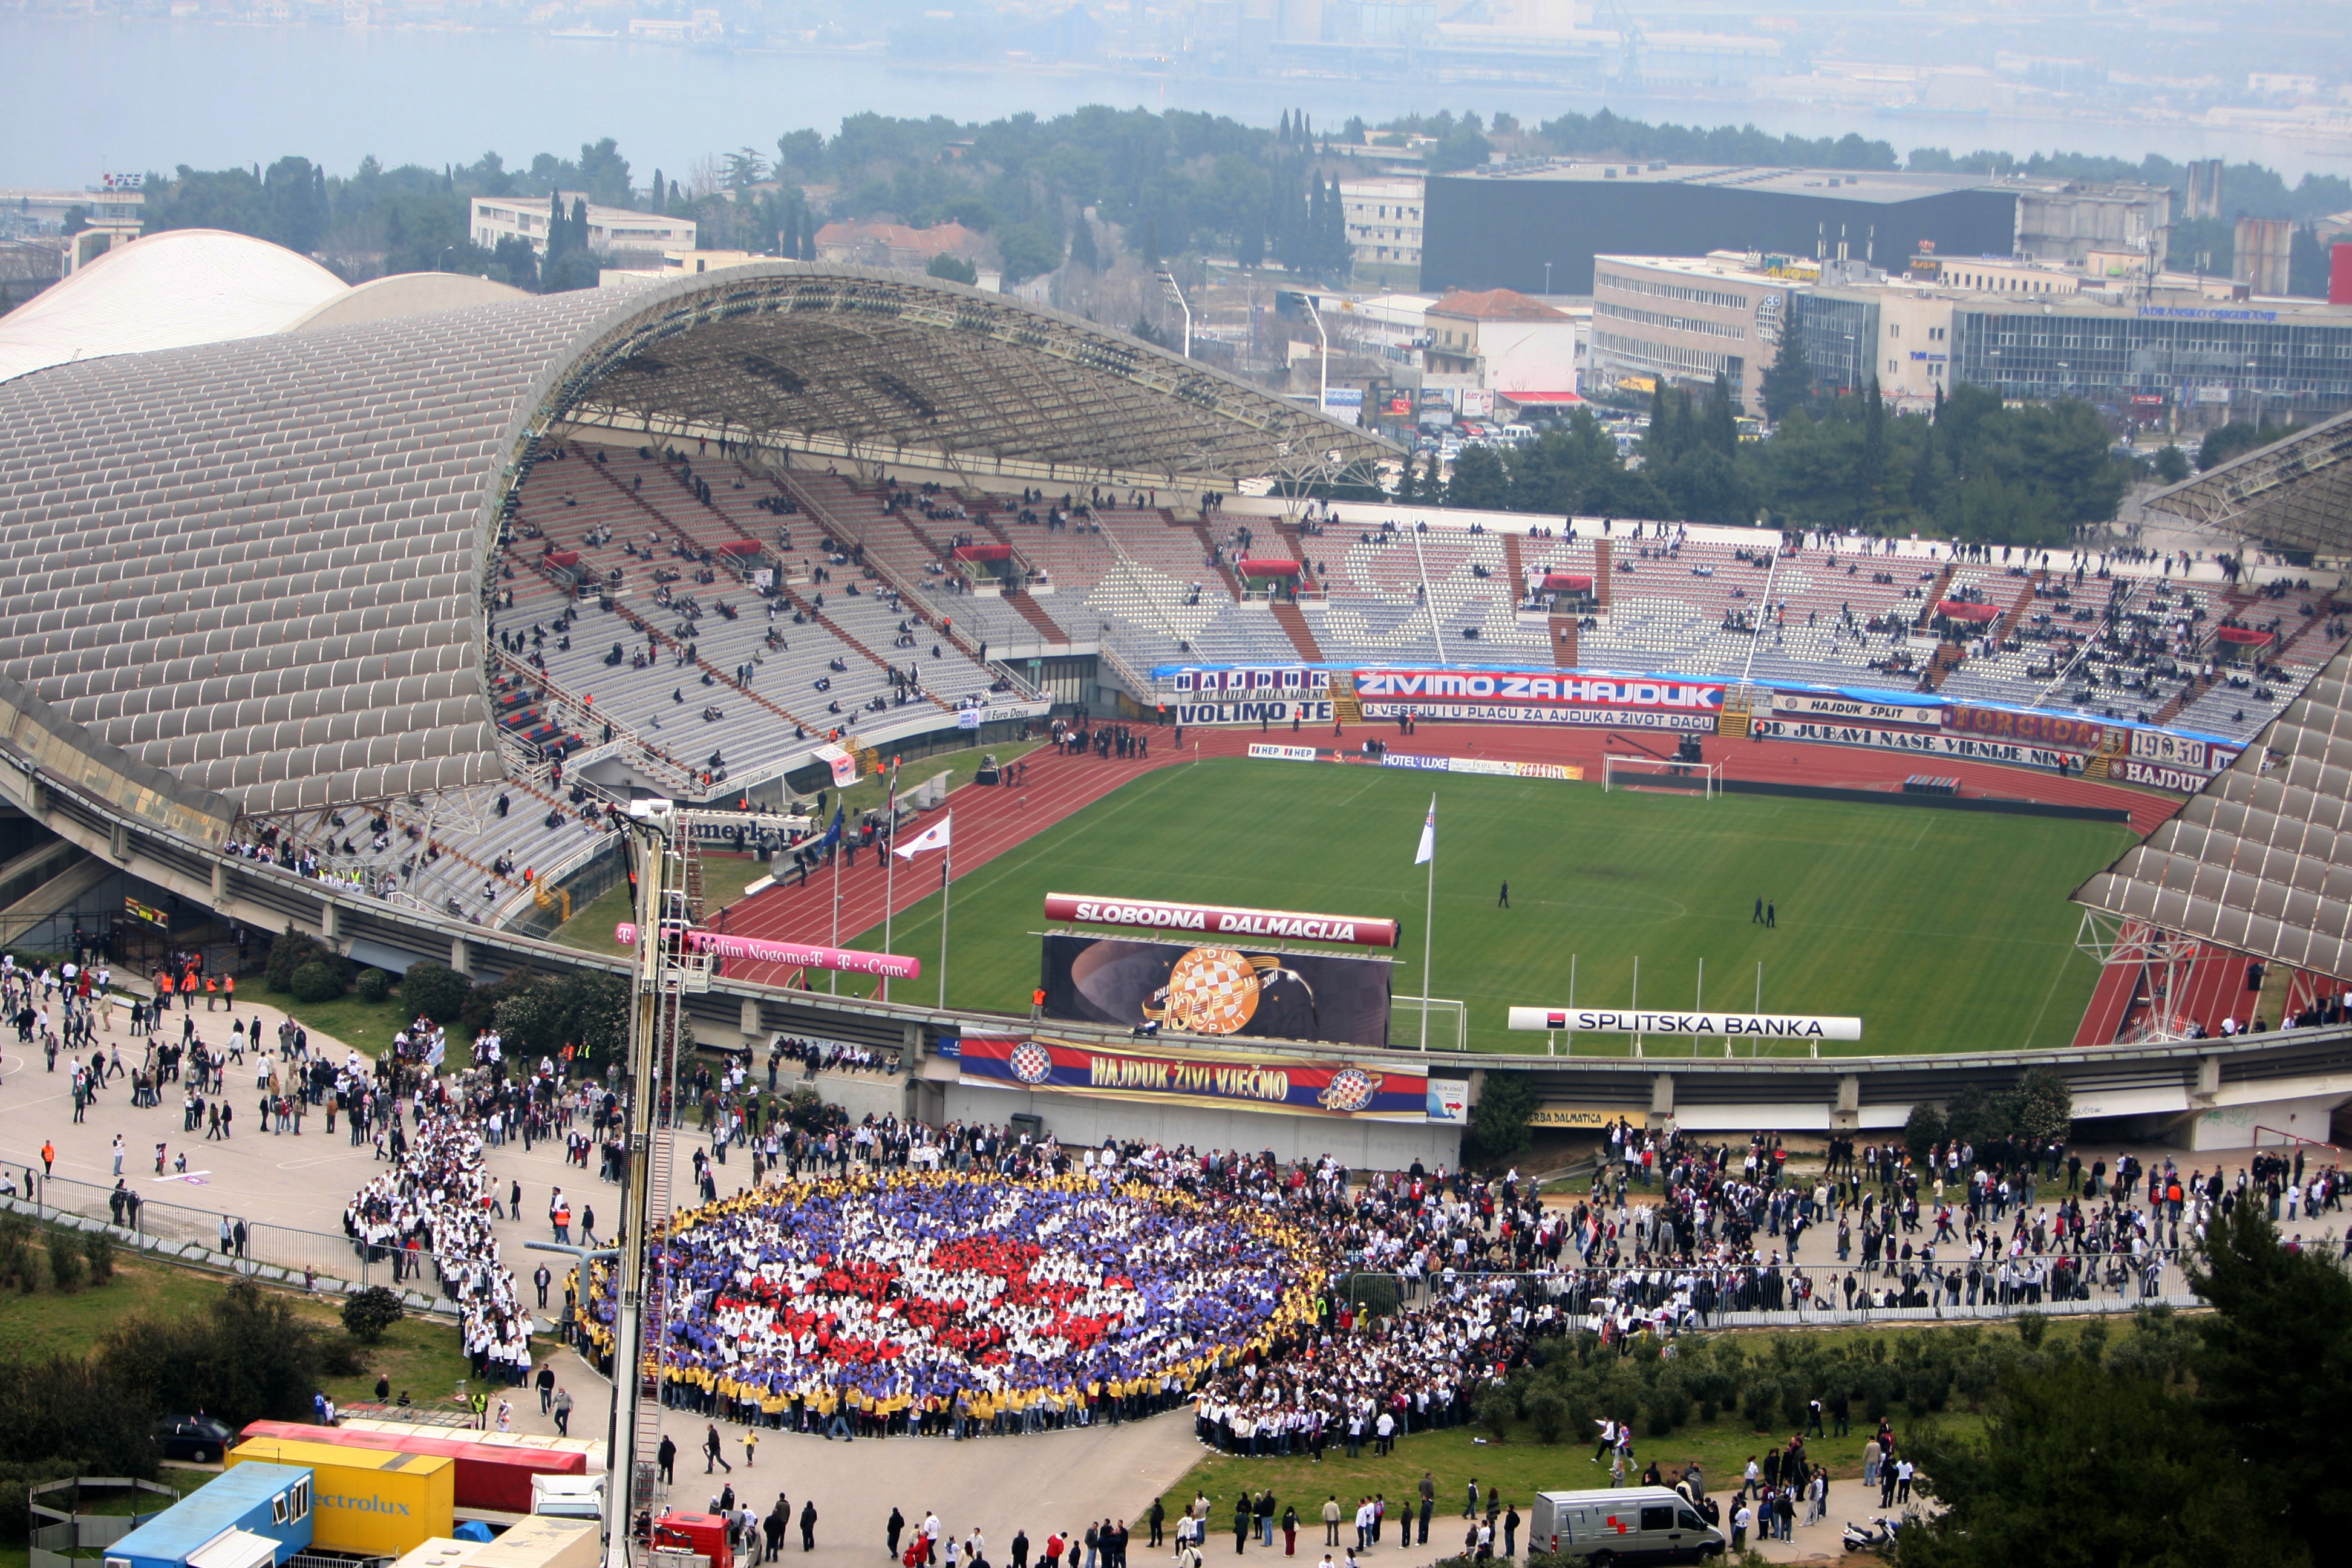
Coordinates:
[434,991]
[371,1311]
[1548,1413]
[16,1258]
[2032,1327]
[248,1356]
[98,1252]
[316,981]
[1494,1408]
[288,952]
[372,985]
[65,1262]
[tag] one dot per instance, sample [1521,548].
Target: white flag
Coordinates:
[932,838]
[1428,850]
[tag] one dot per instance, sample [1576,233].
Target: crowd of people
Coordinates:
[437,1200]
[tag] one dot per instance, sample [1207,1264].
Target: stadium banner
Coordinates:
[1594,1116]
[891,966]
[1269,679]
[2159,775]
[1449,1100]
[1491,689]
[844,765]
[2172,750]
[1918,742]
[1840,707]
[1220,919]
[2063,732]
[1228,1082]
[1724,1026]
[1216,989]
[1264,751]
[1565,771]
[1255,710]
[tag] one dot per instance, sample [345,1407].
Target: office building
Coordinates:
[1688,319]
[610,229]
[1535,224]
[1383,220]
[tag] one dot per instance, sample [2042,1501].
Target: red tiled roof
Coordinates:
[1495,305]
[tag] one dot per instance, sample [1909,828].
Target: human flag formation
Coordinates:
[1428,850]
[935,837]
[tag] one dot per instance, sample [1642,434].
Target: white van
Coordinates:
[1622,1525]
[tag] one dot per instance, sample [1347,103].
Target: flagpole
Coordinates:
[1428,916]
[947,867]
[889,865]
[833,977]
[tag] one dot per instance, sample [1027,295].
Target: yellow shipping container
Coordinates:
[368,1502]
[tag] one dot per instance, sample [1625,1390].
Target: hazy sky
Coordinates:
[87,97]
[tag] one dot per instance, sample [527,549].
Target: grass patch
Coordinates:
[364,1025]
[1970,910]
[423,1355]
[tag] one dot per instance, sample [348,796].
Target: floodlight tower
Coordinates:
[1176,295]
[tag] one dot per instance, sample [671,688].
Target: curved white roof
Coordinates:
[403,294]
[168,290]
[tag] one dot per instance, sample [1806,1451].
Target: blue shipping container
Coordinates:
[271,1501]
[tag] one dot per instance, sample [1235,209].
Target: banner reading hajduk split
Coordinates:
[1220,919]
[894,966]
[1230,1082]
[1727,1025]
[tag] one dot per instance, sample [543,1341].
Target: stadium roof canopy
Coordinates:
[259,565]
[2296,493]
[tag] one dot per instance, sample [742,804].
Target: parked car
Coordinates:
[198,1438]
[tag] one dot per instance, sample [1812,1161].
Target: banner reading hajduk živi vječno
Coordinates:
[1365,1093]
[850,960]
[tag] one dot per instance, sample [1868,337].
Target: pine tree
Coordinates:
[1870,473]
[1283,135]
[1341,254]
[1082,244]
[1405,483]
[1789,379]
[661,201]
[1718,429]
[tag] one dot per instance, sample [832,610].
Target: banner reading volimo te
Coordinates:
[1361,1092]
[1541,696]
[1216,988]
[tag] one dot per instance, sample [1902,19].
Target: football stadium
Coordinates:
[1044,766]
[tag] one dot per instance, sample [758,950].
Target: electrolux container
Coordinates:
[370,1503]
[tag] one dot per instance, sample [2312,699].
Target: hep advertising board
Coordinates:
[1216,987]
[1359,1092]
[1541,696]
[1220,920]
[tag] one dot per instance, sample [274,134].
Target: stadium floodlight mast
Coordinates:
[1167,280]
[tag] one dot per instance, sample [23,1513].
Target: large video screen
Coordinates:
[1212,989]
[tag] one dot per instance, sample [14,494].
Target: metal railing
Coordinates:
[334,1264]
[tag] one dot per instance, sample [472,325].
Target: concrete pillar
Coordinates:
[910,1042]
[461,956]
[220,881]
[2209,1077]
[1850,1093]
[329,920]
[749,1022]
[1477,1089]
[1662,1095]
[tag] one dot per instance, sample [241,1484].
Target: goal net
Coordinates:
[1449,1023]
[1662,773]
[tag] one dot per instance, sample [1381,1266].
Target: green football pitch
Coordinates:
[1942,930]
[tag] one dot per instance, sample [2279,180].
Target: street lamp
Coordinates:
[1547,278]
[1168,279]
[1323,380]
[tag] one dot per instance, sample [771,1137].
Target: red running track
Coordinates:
[989,822]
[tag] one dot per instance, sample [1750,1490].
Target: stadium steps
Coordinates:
[2021,610]
[1947,658]
[1017,596]
[1293,622]
[1512,565]
[1603,576]
[1344,705]
[1935,596]
[1209,552]
[2199,685]
[1564,630]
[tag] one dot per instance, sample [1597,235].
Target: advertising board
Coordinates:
[1358,1091]
[1541,696]
[1918,742]
[1840,708]
[2062,730]
[1255,710]
[892,965]
[1715,1026]
[1220,920]
[1216,988]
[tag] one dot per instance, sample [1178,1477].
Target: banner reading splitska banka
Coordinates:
[1359,1092]
[1541,696]
[1725,1026]
[1216,987]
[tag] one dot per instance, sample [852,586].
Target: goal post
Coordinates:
[1617,772]
[1449,1023]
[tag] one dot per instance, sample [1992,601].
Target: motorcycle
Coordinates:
[1878,1537]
